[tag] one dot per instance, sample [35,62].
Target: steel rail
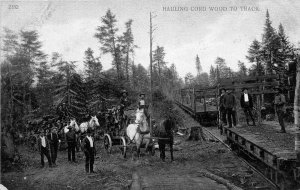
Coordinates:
[240,158]
[243,160]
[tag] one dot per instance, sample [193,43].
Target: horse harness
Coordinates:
[138,130]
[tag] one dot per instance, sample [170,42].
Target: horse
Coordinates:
[165,136]
[90,124]
[139,132]
[72,124]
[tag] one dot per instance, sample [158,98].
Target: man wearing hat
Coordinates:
[43,145]
[53,141]
[247,105]
[123,101]
[222,107]
[71,140]
[142,103]
[279,102]
[230,106]
[89,151]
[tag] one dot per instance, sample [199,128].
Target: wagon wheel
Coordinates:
[123,146]
[107,143]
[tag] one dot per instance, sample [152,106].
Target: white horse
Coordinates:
[90,124]
[138,132]
[72,124]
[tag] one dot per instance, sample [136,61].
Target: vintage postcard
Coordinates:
[140,94]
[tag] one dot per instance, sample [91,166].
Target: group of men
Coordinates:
[48,147]
[228,107]
[48,142]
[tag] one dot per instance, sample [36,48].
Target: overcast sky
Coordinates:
[68,27]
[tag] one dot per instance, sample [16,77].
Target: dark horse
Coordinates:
[165,136]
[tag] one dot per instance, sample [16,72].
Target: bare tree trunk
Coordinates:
[127,65]
[297,99]
[11,100]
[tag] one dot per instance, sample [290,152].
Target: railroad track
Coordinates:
[255,164]
[274,185]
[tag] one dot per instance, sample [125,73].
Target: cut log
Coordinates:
[196,134]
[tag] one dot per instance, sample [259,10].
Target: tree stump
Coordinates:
[196,134]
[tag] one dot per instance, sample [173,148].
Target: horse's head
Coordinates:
[94,121]
[140,116]
[73,124]
[142,119]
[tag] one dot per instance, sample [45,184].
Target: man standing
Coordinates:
[71,140]
[123,101]
[247,105]
[89,151]
[53,141]
[230,104]
[142,103]
[279,102]
[43,145]
[222,107]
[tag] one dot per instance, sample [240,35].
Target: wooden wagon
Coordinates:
[115,138]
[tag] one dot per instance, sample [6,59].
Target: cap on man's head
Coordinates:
[54,128]
[142,94]
[278,88]
[245,88]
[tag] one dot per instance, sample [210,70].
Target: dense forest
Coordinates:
[38,87]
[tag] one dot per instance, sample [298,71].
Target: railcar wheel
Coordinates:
[107,143]
[123,146]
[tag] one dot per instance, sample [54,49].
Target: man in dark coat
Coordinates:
[89,151]
[43,145]
[71,140]
[247,105]
[53,141]
[142,105]
[230,106]
[222,107]
[280,102]
[123,101]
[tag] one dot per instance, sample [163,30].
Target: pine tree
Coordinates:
[44,87]
[270,45]
[106,34]
[255,56]
[128,46]
[159,62]
[242,69]
[198,65]
[212,76]
[285,55]
[93,66]
[224,71]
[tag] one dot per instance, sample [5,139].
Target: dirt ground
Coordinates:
[197,165]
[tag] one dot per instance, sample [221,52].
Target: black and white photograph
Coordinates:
[150,94]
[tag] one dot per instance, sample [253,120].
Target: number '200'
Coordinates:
[13,6]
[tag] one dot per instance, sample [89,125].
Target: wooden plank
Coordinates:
[248,78]
[251,85]
[264,92]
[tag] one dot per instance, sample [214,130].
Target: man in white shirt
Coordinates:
[247,105]
[89,151]
[44,148]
